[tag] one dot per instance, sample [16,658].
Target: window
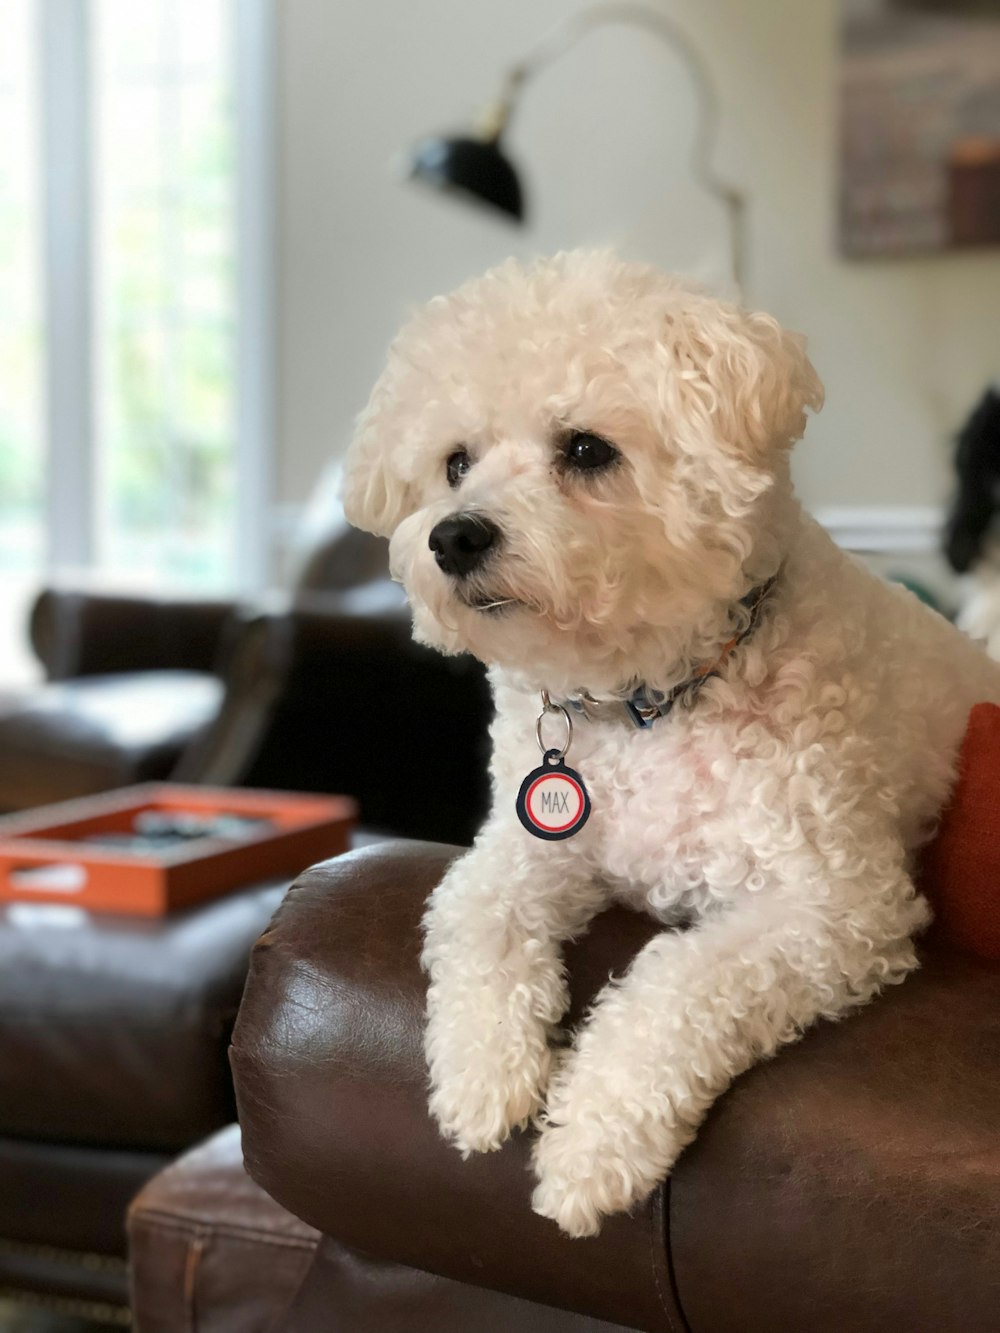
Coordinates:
[22,500]
[164,217]
[135,216]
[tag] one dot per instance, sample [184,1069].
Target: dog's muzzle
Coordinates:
[462,542]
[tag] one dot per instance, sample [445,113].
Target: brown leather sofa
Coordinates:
[850,1185]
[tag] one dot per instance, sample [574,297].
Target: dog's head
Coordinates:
[580,465]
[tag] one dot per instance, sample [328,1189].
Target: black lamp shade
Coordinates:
[475,167]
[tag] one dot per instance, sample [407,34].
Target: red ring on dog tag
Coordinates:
[553,802]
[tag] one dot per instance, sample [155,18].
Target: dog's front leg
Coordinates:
[493,930]
[693,1012]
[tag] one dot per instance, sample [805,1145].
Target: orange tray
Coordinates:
[42,859]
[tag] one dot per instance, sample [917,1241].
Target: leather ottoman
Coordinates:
[113,1037]
[210,1252]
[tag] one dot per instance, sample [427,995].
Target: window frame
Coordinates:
[67,202]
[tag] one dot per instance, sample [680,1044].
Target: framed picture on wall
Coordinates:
[919,126]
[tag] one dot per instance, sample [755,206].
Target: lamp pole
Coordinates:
[495,117]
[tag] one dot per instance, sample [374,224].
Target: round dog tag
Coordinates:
[553,802]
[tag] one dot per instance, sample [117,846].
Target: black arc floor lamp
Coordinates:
[476,166]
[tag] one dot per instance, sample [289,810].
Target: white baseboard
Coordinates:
[897,529]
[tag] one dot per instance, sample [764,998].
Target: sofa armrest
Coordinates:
[852,1182]
[331,1087]
[331,693]
[79,633]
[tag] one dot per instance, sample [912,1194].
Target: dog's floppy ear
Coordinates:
[376,497]
[750,377]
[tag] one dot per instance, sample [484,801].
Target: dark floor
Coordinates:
[25,1319]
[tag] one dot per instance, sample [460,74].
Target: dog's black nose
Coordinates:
[461,542]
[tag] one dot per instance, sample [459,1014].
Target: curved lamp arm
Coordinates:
[495,118]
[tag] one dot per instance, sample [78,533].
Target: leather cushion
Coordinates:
[72,738]
[113,1030]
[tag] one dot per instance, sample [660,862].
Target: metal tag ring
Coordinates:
[549,707]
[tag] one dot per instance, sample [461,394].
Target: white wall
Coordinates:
[904,346]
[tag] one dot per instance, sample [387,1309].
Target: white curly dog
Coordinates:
[583,468]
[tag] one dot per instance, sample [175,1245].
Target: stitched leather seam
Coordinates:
[192,1260]
[655,1215]
[658,1231]
[188,1227]
[668,1249]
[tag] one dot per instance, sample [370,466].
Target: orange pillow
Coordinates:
[961,867]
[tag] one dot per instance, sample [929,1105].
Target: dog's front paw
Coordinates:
[489,1059]
[477,1111]
[478,1107]
[594,1166]
[578,1183]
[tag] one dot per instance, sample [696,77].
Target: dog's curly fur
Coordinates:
[777,816]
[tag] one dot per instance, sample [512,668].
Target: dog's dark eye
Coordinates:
[588,453]
[457,466]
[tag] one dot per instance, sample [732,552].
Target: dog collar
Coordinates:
[553,802]
[645,706]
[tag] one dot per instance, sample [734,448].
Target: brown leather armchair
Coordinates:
[311,691]
[330,693]
[850,1185]
[146,688]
